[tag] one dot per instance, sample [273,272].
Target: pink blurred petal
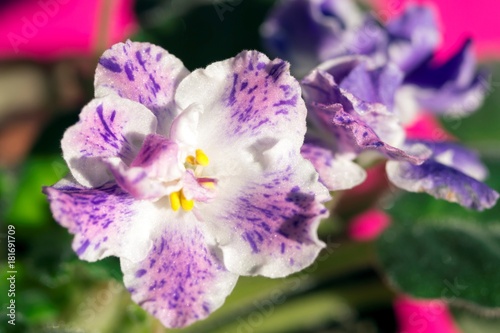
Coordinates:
[49,29]
[368,225]
[423,316]
[427,127]
[469,19]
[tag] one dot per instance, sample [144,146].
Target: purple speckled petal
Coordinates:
[335,172]
[320,89]
[250,97]
[268,226]
[442,182]
[247,100]
[308,32]
[181,280]
[144,73]
[138,183]
[104,220]
[413,36]
[108,127]
[358,77]
[159,157]
[367,38]
[365,137]
[373,85]
[456,156]
[355,124]
[453,87]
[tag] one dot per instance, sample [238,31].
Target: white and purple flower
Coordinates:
[191,179]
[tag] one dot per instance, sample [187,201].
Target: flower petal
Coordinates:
[413,36]
[363,137]
[373,86]
[442,182]
[184,129]
[181,280]
[153,173]
[325,99]
[335,172]
[308,32]
[457,157]
[159,157]
[268,225]
[104,220]
[137,182]
[144,73]
[246,99]
[108,127]
[454,87]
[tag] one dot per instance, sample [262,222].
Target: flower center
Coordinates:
[178,200]
[195,163]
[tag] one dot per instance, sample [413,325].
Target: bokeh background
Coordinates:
[48,53]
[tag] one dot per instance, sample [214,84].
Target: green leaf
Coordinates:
[470,323]
[29,206]
[439,250]
[456,262]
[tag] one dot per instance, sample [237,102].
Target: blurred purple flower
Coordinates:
[309,32]
[350,107]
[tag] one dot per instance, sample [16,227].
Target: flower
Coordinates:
[327,29]
[452,86]
[452,172]
[361,98]
[191,179]
[309,32]
[353,106]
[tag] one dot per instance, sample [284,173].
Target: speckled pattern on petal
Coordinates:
[104,220]
[442,182]
[144,73]
[108,127]
[181,280]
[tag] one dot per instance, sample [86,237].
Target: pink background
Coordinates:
[68,28]
[458,20]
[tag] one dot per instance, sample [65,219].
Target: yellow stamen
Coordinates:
[175,200]
[201,158]
[186,204]
[209,185]
[190,160]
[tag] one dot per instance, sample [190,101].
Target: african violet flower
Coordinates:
[308,32]
[352,106]
[327,29]
[453,86]
[191,179]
